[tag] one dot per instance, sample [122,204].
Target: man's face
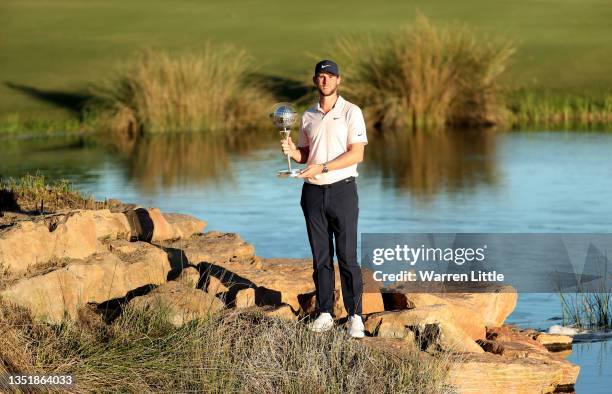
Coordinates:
[326,83]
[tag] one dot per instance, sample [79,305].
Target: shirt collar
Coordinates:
[337,106]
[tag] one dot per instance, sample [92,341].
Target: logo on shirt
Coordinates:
[337,118]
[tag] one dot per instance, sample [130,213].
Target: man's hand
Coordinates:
[311,171]
[288,147]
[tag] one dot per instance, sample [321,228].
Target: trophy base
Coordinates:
[288,174]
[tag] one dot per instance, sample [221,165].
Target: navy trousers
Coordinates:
[331,213]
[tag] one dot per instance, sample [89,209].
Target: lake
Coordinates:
[468,181]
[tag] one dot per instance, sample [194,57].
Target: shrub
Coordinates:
[159,92]
[425,75]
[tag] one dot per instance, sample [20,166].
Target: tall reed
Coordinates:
[158,92]
[424,75]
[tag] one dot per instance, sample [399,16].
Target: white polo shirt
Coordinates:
[329,135]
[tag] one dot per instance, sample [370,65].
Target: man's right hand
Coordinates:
[288,147]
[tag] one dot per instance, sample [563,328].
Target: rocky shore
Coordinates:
[57,264]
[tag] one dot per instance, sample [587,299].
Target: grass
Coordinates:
[229,352]
[570,111]
[159,92]
[427,76]
[590,306]
[31,193]
[587,310]
[51,51]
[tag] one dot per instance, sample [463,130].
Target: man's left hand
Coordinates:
[311,171]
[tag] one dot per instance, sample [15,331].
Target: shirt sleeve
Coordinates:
[303,137]
[356,126]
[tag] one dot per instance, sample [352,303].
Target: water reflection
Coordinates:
[426,163]
[160,161]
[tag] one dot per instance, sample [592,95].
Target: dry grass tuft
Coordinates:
[424,76]
[230,352]
[206,91]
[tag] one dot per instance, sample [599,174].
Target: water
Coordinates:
[439,182]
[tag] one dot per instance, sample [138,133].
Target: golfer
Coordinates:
[331,143]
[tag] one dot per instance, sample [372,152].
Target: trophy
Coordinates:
[284,115]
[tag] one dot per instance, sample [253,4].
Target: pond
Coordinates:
[468,181]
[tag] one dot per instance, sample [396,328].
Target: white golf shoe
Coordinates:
[355,327]
[322,323]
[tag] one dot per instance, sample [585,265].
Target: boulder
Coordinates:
[490,373]
[96,279]
[518,343]
[27,244]
[493,306]
[245,298]
[110,225]
[554,342]
[190,277]
[211,248]
[182,304]
[397,324]
[162,230]
[226,258]
[151,225]
[184,226]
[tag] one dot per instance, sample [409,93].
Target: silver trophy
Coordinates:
[284,115]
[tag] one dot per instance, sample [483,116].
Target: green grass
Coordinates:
[31,193]
[50,52]
[570,111]
[230,352]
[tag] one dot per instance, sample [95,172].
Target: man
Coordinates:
[331,143]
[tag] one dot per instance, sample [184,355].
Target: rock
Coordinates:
[521,344]
[189,277]
[215,286]
[151,225]
[493,307]
[141,224]
[98,278]
[184,226]
[183,304]
[122,247]
[396,324]
[231,261]
[28,244]
[554,343]
[110,226]
[245,298]
[212,248]
[283,312]
[490,373]
[466,318]
[162,230]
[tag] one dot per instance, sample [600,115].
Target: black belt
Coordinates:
[340,182]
